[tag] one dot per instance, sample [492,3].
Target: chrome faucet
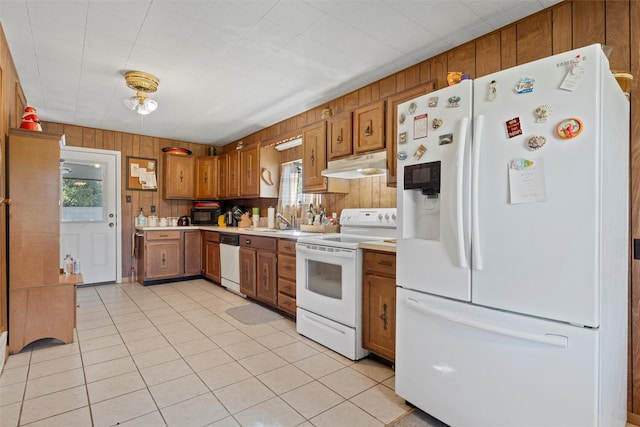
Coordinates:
[279,215]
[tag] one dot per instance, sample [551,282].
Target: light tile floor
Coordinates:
[170,355]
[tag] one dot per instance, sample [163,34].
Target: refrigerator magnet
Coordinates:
[420,152]
[436,123]
[420,126]
[433,102]
[412,108]
[402,138]
[513,127]
[569,128]
[525,85]
[536,142]
[453,101]
[445,139]
[493,90]
[542,113]
[526,181]
[402,155]
[401,118]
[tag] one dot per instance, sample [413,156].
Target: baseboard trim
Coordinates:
[633,418]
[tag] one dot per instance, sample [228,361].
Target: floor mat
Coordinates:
[253,314]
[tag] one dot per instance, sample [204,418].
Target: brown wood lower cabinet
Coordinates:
[379,303]
[169,254]
[258,268]
[211,256]
[287,275]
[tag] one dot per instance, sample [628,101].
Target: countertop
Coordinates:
[261,231]
[388,245]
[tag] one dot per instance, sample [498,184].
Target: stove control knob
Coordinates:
[380,217]
[393,217]
[386,216]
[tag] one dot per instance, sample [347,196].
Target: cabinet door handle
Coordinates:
[248,241]
[313,157]
[383,316]
[368,131]
[164,259]
[339,137]
[181,177]
[205,178]
[385,263]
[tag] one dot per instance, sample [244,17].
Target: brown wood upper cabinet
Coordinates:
[259,172]
[233,181]
[179,177]
[314,161]
[368,132]
[340,143]
[314,157]
[206,178]
[222,164]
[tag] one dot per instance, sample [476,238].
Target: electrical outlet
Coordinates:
[153,208]
[127,199]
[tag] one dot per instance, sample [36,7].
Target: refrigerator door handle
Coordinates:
[462,131]
[475,226]
[549,339]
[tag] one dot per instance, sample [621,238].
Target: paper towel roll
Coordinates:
[271,217]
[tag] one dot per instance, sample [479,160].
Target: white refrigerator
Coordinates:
[512,251]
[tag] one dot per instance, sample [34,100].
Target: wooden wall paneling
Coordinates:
[617,35]
[89,137]
[534,37]
[388,86]
[425,71]
[375,91]
[364,95]
[463,59]
[412,75]
[108,140]
[351,101]
[508,47]
[634,295]
[561,17]
[439,69]
[73,135]
[487,54]
[588,22]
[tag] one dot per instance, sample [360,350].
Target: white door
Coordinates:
[472,366]
[536,226]
[90,211]
[434,232]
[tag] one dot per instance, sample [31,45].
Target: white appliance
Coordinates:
[329,279]
[230,262]
[512,247]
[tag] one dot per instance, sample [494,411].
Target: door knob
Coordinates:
[111,224]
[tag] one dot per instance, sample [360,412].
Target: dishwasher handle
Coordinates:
[230,239]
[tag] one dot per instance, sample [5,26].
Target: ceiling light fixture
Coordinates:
[143,83]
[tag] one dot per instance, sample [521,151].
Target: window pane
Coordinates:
[82,192]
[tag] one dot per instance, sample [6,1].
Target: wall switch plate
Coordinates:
[127,199]
[153,208]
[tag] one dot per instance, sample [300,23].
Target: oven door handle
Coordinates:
[302,248]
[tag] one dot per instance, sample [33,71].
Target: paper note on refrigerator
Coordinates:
[526,181]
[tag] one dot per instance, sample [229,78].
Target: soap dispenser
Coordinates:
[141,219]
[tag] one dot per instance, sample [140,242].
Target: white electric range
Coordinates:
[329,279]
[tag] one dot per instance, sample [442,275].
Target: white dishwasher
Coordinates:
[230,261]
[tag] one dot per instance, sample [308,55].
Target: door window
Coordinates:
[83,192]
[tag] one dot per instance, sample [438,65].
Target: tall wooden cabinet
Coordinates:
[40,304]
